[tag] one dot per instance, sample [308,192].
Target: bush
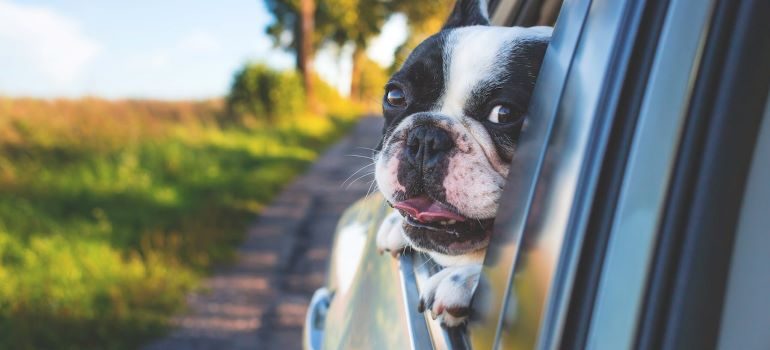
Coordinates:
[261,94]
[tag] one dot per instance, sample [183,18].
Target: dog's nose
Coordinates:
[426,145]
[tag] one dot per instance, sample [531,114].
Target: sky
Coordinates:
[167,49]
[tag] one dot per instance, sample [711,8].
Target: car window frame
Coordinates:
[604,51]
[413,269]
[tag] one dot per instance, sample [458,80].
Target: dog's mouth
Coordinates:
[425,210]
[435,226]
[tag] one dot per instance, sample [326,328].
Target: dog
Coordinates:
[453,115]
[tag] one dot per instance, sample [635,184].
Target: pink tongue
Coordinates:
[425,209]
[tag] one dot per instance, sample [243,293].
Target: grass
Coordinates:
[111,211]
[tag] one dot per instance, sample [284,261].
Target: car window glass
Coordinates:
[526,167]
[548,229]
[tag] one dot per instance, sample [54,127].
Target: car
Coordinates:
[640,216]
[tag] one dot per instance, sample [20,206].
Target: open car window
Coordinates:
[525,170]
[416,269]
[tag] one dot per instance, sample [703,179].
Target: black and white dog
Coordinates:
[453,115]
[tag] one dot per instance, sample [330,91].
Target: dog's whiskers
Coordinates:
[359,156]
[367,148]
[356,172]
[371,190]
[359,178]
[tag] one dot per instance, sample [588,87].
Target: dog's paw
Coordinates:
[390,236]
[448,293]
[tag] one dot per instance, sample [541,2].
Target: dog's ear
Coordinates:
[468,13]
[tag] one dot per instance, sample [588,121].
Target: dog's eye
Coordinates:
[501,114]
[396,97]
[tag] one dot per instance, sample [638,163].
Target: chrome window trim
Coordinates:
[558,140]
[441,337]
[640,205]
[415,322]
[558,219]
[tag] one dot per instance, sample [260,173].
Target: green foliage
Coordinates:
[259,93]
[355,21]
[337,21]
[107,220]
[262,96]
[425,17]
[286,15]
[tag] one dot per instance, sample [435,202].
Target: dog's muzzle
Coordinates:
[427,146]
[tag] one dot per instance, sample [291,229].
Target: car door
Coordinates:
[625,237]
[615,100]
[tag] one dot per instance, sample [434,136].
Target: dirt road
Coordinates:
[259,302]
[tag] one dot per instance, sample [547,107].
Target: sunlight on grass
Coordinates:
[110,211]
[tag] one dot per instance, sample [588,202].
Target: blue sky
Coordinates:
[167,49]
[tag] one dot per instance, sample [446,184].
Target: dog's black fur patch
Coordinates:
[467,13]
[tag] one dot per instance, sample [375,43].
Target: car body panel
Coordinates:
[366,312]
[373,303]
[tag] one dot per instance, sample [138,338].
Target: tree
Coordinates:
[305,52]
[358,21]
[296,18]
[347,21]
[335,21]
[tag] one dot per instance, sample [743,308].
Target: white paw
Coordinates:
[390,236]
[448,293]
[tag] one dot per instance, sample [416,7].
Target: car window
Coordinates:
[507,242]
[419,268]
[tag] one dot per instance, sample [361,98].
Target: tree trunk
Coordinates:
[305,50]
[359,54]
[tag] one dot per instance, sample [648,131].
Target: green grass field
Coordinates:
[111,211]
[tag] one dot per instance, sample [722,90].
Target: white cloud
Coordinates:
[52,44]
[199,42]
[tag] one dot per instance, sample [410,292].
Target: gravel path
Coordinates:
[259,302]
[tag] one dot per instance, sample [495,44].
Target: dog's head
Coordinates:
[453,114]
